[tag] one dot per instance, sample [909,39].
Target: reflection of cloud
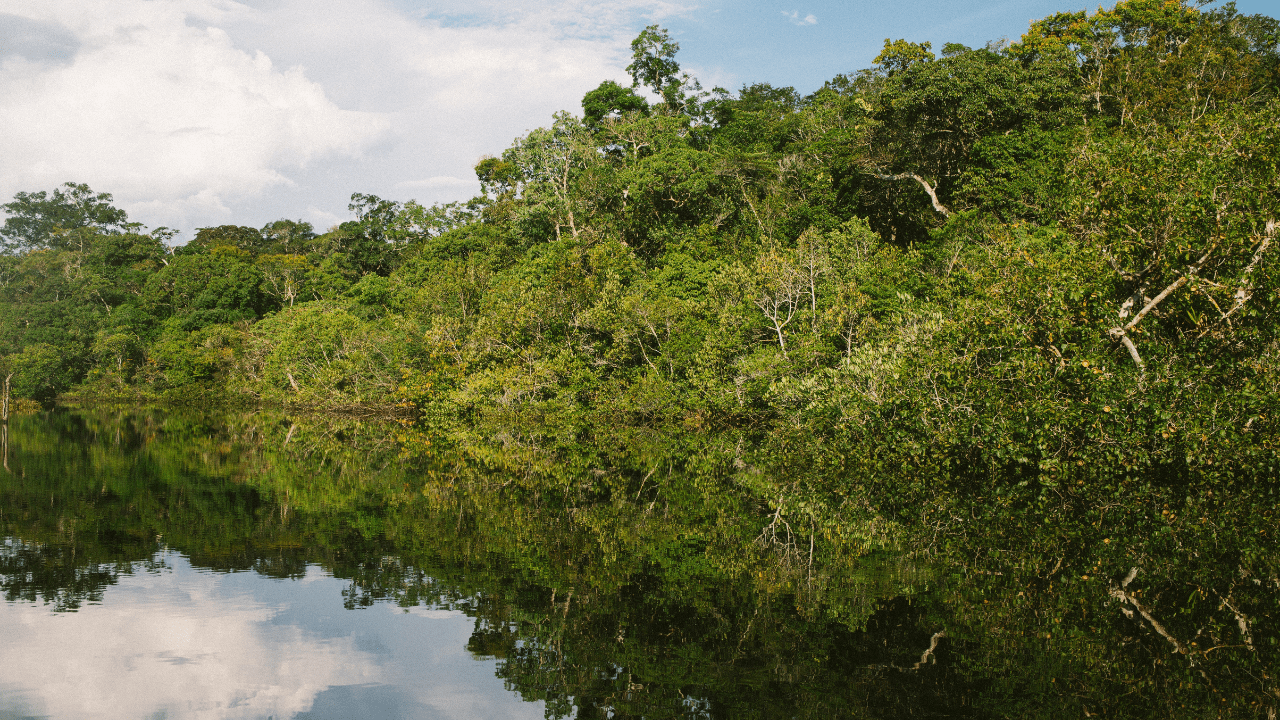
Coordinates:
[172,646]
[366,701]
[795,18]
[425,612]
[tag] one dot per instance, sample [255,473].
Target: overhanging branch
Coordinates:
[1245,291]
[933,195]
[1120,333]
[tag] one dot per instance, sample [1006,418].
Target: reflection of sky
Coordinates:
[183,643]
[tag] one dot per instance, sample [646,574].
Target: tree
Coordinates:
[653,62]
[610,100]
[287,237]
[653,65]
[498,178]
[194,291]
[41,371]
[1163,60]
[900,55]
[934,113]
[117,352]
[236,236]
[374,240]
[284,276]
[779,292]
[548,162]
[39,219]
[1186,216]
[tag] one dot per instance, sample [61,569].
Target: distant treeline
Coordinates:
[1039,261]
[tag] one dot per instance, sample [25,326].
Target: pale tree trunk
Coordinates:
[780,299]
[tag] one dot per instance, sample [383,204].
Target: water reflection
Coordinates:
[169,640]
[364,576]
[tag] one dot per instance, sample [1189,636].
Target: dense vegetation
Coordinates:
[944,300]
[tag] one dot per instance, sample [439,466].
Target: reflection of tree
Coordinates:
[621,579]
[736,654]
[51,575]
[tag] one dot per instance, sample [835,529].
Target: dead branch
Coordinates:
[1120,333]
[933,195]
[1242,621]
[928,654]
[1245,291]
[1121,593]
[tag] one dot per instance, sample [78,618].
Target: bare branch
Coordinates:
[1245,291]
[1133,350]
[1121,333]
[1242,621]
[933,645]
[1191,272]
[933,195]
[1121,593]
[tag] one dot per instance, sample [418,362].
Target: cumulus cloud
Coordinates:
[434,183]
[151,107]
[206,111]
[795,18]
[459,81]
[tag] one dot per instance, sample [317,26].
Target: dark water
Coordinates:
[253,566]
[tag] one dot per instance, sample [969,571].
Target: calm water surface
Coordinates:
[168,639]
[261,566]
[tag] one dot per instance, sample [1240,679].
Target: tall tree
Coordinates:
[653,65]
[38,220]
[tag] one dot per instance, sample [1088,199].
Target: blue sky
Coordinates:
[205,112]
[803,44]
[757,42]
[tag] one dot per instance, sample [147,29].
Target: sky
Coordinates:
[195,113]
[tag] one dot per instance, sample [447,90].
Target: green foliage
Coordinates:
[206,240]
[320,355]
[38,220]
[197,290]
[285,237]
[610,100]
[653,63]
[41,371]
[1163,60]
[198,359]
[900,55]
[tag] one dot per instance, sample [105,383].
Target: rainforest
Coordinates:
[1006,314]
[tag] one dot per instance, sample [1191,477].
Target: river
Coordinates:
[259,565]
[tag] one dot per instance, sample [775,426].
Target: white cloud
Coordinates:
[795,18]
[170,116]
[196,112]
[435,183]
